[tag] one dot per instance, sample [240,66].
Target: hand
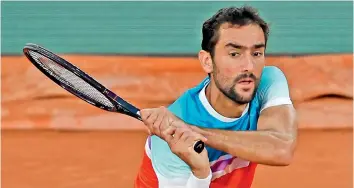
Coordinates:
[153,119]
[181,140]
[179,136]
[159,119]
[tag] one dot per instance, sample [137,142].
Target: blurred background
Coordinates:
[147,53]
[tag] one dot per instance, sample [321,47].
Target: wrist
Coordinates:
[201,173]
[196,182]
[199,130]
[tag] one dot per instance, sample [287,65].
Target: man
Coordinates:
[242,111]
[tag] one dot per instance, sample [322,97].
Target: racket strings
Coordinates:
[70,79]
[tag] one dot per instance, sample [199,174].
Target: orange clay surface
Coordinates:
[110,159]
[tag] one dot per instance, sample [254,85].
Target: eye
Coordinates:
[234,54]
[257,54]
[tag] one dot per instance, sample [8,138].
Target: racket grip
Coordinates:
[138,116]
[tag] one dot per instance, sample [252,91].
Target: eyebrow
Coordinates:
[234,45]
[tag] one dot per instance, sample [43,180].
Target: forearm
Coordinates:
[263,147]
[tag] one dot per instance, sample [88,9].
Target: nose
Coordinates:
[248,64]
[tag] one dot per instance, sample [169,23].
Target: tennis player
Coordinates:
[242,111]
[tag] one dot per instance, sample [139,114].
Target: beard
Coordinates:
[231,92]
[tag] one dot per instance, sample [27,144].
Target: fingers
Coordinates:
[145,116]
[162,123]
[149,117]
[145,113]
[192,137]
[174,135]
[201,137]
[189,136]
[186,136]
[159,127]
[183,141]
[157,119]
[168,134]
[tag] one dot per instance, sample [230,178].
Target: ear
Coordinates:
[206,61]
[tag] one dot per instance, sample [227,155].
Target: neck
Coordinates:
[222,104]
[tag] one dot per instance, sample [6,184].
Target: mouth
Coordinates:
[246,81]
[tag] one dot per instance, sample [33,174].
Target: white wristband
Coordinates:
[194,182]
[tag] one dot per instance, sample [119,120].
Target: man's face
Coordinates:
[238,61]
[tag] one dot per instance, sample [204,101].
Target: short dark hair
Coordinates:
[237,16]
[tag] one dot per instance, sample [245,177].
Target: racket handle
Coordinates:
[198,145]
[138,116]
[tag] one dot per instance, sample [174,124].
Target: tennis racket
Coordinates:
[80,84]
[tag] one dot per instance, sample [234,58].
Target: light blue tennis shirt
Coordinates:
[193,108]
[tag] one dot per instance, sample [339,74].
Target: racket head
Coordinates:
[76,81]
[112,102]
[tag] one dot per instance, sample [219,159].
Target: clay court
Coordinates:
[52,139]
[57,159]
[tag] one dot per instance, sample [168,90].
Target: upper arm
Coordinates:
[277,112]
[279,119]
[273,88]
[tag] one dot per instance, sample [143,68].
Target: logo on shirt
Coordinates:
[226,164]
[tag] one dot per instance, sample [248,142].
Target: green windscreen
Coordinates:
[167,28]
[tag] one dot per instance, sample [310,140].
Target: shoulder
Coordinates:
[273,88]
[271,73]
[271,76]
[187,98]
